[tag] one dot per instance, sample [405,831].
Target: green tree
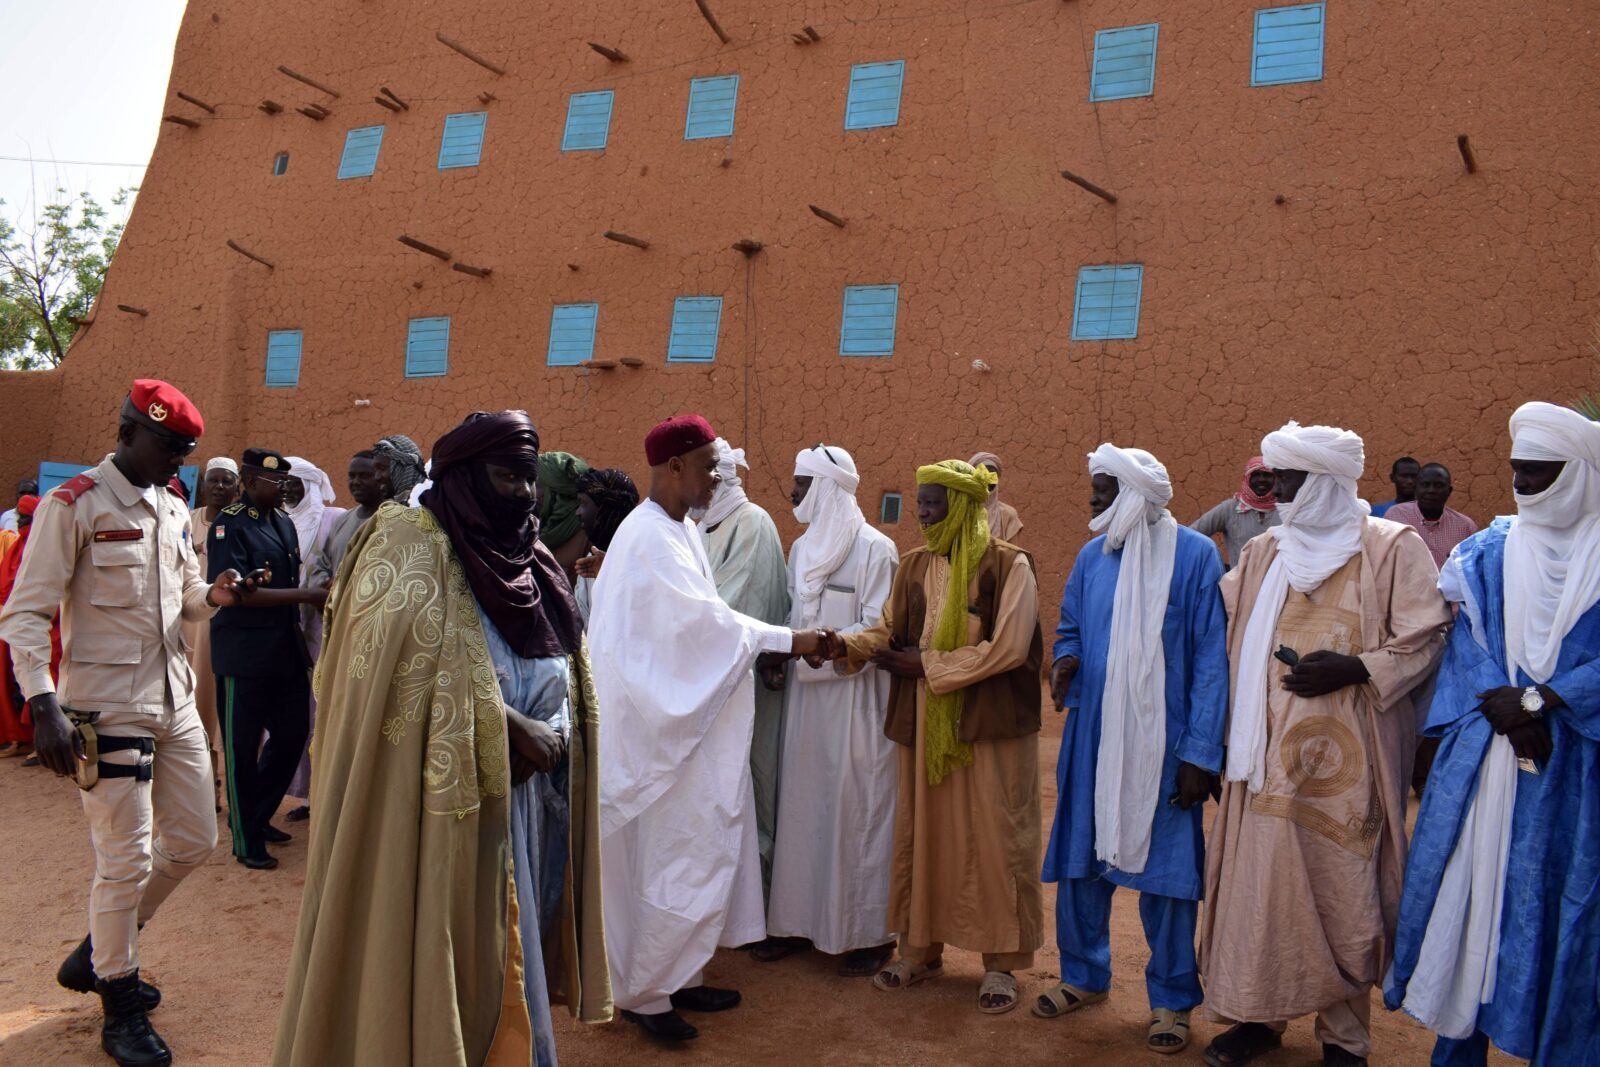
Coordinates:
[52,275]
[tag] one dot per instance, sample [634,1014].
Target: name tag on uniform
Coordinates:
[102,536]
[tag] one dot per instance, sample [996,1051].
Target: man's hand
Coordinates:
[772,668]
[225,592]
[316,596]
[1061,675]
[589,566]
[535,747]
[900,662]
[1194,785]
[1529,736]
[1323,672]
[58,746]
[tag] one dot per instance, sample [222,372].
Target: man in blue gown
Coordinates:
[1499,928]
[1141,657]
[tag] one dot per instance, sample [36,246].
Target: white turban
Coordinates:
[1321,530]
[1133,730]
[833,521]
[221,463]
[730,495]
[307,514]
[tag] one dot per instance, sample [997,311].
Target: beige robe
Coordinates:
[1303,879]
[966,851]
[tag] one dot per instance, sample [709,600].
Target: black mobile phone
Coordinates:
[1287,655]
[257,578]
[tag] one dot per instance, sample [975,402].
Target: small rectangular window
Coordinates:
[360,157]
[588,121]
[866,325]
[1124,63]
[280,165]
[889,510]
[711,106]
[695,322]
[461,145]
[428,348]
[571,334]
[874,95]
[283,359]
[1288,45]
[1107,304]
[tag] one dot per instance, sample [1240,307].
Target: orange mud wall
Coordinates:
[1390,291]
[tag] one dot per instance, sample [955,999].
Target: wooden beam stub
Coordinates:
[246,253]
[825,215]
[716,27]
[1467,157]
[631,361]
[201,104]
[271,107]
[386,91]
[799,38]
[297,76]
[811,33]
[572,266]
[385,102]
[486,98]
[457,46]
[613,54]
[476,272]
[1085,183]
[130,309]
[179,120]
[626,239]
[315,116]
[423,246]
[748,246]
[80,322]
[598,364]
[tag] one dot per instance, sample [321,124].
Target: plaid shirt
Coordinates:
[1441,535]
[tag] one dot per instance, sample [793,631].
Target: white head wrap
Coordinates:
[1321,530]
[730,495]
[307,514]
[221,463]
[415,499]
[1133,730]
[832,519]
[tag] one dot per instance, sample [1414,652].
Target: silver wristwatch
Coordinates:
[1533,702]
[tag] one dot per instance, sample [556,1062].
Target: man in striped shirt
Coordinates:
[1442,528]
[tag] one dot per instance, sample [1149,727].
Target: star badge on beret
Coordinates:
[158,412]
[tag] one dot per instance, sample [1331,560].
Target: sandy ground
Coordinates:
[219,949]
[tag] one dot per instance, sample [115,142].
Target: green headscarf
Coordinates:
[962,536]
[558,497]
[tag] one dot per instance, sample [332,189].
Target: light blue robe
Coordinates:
[1548,979]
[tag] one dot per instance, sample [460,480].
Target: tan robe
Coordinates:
[1303,879]
[966,852]
[1004,523]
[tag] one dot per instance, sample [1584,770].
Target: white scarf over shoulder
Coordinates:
[1133,716]
[1321,530]
[832,519]
[307,515]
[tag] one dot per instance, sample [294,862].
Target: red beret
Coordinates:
[676,437]
[27,504]
[160,406]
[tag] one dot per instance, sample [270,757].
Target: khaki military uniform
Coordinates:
[119,563]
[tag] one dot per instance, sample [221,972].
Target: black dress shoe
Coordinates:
[127,1035]
[705,998]
[300,814]
[77,974]
[663,1026]
[274,836]
[258,863]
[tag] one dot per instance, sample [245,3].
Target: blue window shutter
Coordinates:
[874,95]
[711,105]
[1124,63]
[283,359]
[428,348]
[52,475]
[190,477]
[867,323]
[889,510]
[571,334]
[462,142]
[1107,305]
[1288,46]
[695,322]
[360,157]
[588,121]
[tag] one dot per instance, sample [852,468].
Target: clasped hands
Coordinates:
[816,647]
[1529,736]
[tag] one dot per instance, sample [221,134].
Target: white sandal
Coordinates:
[906,974]
[998,984]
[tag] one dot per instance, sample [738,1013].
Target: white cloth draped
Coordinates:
[730,495]
[307,515]
[1133,728]
[672,666]
[1321,530]
[832,519]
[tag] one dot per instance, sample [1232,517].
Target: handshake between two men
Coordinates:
[818,647]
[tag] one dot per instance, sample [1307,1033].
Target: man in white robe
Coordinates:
[673,668]
[835,839]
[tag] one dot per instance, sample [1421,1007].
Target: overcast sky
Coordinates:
[85,81]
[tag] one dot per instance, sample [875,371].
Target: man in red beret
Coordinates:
[110,550]
[673,665]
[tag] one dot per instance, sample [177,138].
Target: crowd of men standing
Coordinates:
[560,684]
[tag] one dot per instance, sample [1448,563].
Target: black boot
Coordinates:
[127,1035]
[77,974]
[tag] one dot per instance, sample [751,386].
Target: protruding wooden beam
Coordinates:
[179,120]
[626,239]
[386,91]
[748,246]
[385,102]
[315,116]
[423,246]
[486,97]
[1467,157]
[469,53]
[130,309]
[1085,183]
[476,272]
[247,254]
[631,361]
[613,54]
[825,215]
[598,364]
[799,38]
[572,266]
[319,109]
[716,27]
[201,104]
[297,76]
[271,107]
[811,33]
[80,322]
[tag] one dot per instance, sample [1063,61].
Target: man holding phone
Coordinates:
[258,654]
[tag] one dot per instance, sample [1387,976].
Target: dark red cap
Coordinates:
[676,437]
[162,407]
[27,504]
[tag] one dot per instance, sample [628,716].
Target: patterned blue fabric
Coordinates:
[1546,988]
[1194,634]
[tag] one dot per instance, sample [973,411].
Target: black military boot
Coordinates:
[126,1034]
[77,974]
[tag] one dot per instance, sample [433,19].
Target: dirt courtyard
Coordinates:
[219,949]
